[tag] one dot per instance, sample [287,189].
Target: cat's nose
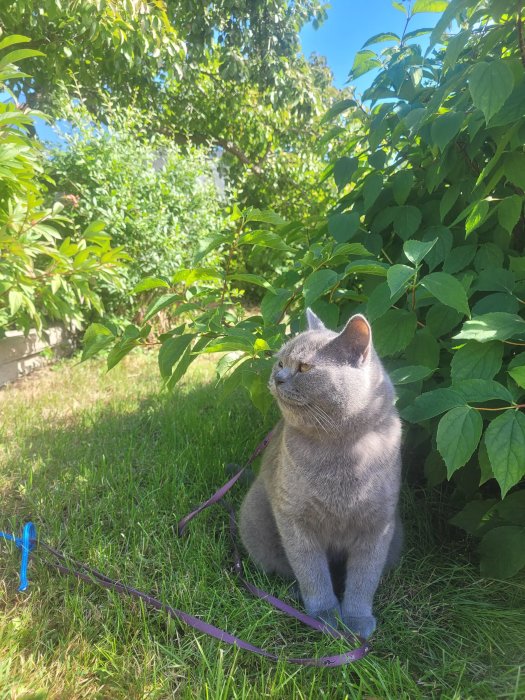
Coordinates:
[281,376]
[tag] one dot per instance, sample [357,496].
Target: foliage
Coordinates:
[427,239]
[238,82]
[46,272]
[157,202]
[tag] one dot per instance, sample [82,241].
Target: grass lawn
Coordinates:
[105,464]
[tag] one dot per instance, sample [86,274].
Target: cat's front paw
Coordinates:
[329,613]
[362,626]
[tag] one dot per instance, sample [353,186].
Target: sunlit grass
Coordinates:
[105,464]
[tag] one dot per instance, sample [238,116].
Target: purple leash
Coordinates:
[67,565]
[337,660]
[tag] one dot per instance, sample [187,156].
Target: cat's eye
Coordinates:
[304,367]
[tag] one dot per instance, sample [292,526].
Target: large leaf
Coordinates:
[402,183]
[502,551]
[343,226]
[509,212]
[96,338]
[344,168]
[415,251]
[379,301]
[431,404]
[490,84]
[266,239]
[372,186]
[364,61]
[317,284]
[409,374]
[149,283]
[497,325]
[458,435]
[477,361]
[448,290]
[429,6]
[160,303]
[273,305]
[250,279]
[445,127]
[394,331]
[477,216]
[171,352]
[505,441]
[398,277]
[480,390]
[514,168]
[406,221]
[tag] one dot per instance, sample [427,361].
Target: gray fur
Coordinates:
[329,482]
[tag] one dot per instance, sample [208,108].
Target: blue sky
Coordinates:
[350,23]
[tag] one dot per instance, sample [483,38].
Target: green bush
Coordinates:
[427,239]
[155,200]
[47,270]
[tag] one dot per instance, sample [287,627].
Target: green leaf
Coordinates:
[505,441]
[16,299]
[171,352]
[471,517]
[379,38]
[410,373]
[402,183]
[273,305]
[400,7]
[266,217]
[364,62]
[367,267]
[445,127]
[372,186]
[337,109]
[406,221]
[509,212]
[160,303]
[502,551]
[120,350]
[344,168]
[317,284]
[429,6]
[379,301]
[477,216]
[477,361]
[514,168]
[518,374]
[512,508]
[394,331]
[398,277]
[18,55]
[415,251]
[431,404]
[96,338]
[442,319]
[149,283]
[251,279]
[448,290]
[13,39]
[458,435]
[459,258]
[497,325]
[480,390]
[266,239]
[490,84]
[196,274]
[343,226]
[441,249]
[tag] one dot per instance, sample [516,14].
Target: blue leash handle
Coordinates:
[26,543]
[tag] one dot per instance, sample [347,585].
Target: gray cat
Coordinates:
[326,498]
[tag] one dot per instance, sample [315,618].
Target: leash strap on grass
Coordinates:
[67,565]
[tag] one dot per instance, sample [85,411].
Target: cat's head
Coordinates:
[324,379]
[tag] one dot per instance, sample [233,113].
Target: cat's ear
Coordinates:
[356,338]
[314,322]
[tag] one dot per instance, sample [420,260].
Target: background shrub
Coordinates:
[156,201]
[48,270]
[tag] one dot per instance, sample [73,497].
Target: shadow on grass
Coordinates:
[108,486]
